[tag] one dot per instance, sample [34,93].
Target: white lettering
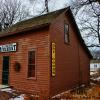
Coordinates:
[8,47]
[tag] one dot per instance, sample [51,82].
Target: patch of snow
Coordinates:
[98,78]
[6,89]
[4,86]
[92,73]
[9,90]
[21,97]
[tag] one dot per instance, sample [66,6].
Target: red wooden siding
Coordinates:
[69,57]
[38,41]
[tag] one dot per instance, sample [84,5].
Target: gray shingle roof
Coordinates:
[36,21]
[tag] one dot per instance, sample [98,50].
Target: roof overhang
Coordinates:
[25,30]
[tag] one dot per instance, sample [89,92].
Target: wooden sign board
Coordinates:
[53,59]
[8,47]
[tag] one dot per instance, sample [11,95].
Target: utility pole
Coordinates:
[46,6]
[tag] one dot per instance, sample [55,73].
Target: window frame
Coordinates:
[31,77]
[66,33]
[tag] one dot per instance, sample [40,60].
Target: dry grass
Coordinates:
[84,93]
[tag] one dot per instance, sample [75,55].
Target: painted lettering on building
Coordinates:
[8,47]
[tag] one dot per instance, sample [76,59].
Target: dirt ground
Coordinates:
[90,92]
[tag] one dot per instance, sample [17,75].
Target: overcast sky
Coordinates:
[53,4]
[61,3]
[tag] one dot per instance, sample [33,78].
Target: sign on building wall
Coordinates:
[8,47]
[53,59]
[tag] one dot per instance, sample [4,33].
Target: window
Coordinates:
[66,33]
[31,63]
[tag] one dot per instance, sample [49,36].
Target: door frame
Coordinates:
[4,70]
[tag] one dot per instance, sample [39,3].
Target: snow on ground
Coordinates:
[21,97]
[3,86]
[92,73]
[9,90]
[98,78]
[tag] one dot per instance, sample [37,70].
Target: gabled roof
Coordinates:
[40,22]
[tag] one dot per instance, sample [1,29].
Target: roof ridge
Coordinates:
[42,15]
[38,20]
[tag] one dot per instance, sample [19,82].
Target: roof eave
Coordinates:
[25,30]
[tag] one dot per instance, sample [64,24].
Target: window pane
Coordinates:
[66,33]
[31,57]
[31,71]
[66,28]
[66,38]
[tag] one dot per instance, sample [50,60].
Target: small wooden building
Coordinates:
[45,54]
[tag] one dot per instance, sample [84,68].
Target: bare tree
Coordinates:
[11,11]
[76,5]
[40,6]
[87,13]
[98,1]
[46,6]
